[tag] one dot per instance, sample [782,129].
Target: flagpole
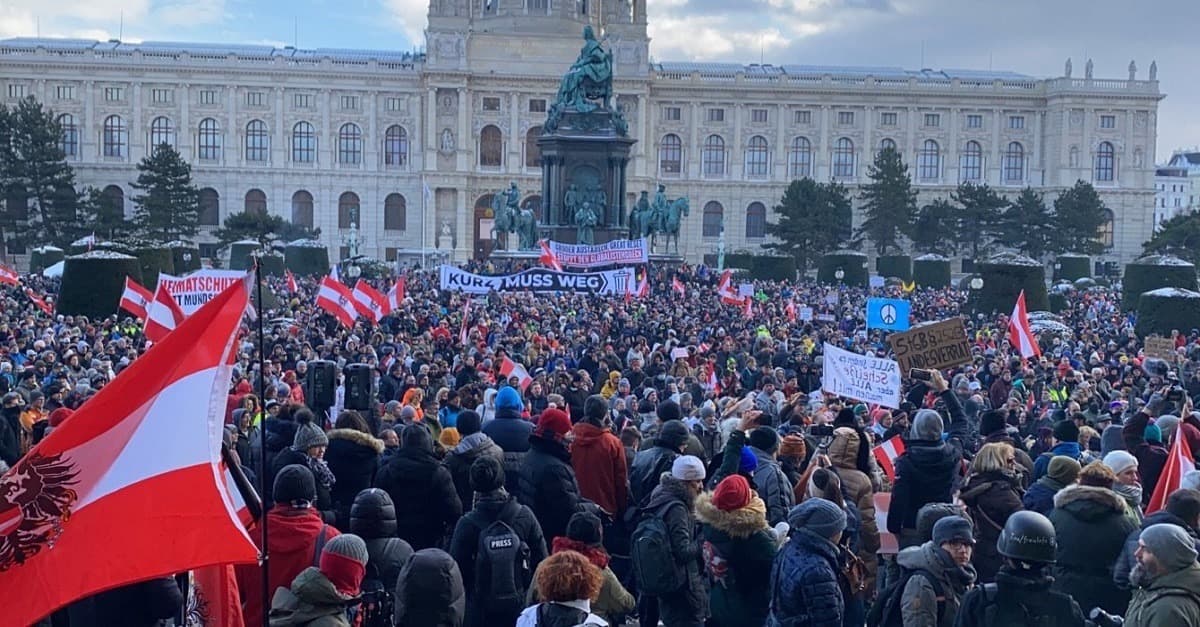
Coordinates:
[262,441]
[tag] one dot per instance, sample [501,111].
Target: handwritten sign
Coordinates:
[1161,348]
[933,346]
[868,379]
[805,314]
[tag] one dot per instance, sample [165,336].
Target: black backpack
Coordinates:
[502,568]
[654,563]
[378,601]
[888,608]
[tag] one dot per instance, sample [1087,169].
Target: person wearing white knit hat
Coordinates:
[1128,484]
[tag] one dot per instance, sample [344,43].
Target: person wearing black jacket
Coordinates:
[353,457]
[373,518]
[10,415]
[142,604]
[391,385]
[650,464]
[510,432]
[427,504]
[547,483]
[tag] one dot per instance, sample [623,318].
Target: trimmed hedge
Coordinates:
[239,255]
[92,283]
[852,263]
[271,264]
[931,271]
[185,258]
[44,257]
[1071,267]
[1152,272]
[306,259]
[1004,276]
[1058,302]
[1163,310]
[899,266]
[154,260]
[764,267]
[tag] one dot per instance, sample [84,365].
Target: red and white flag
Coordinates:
[729,295]
[747,308]
[677,285]
[510,369]
[369,302]
[1179,463]
[135,299]
[790,310]
[396,295]
[39,302]
[1020,332]
[465,333]
[150,443]
[292,286]
[548,258]
[887,453]
[162,315]
[337,300]
[9,276]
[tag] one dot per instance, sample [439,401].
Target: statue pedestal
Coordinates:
[445,242]
[588,150]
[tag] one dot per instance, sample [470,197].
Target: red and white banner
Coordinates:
[887,453]
[130,487]
[677,285]
[618,252]
[465,333]
[1019,331]
[396,295]
[729,295]
[790,310]
[337,300]
[39,302]
[369,302]
[162,315]
[510,369]
[1179,463]
[135,299]
[192,291]
[548,258]
[8,276]
[292,286]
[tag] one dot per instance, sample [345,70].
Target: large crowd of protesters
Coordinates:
[632,484]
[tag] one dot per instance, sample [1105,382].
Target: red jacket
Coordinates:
[292,543]
[599,462]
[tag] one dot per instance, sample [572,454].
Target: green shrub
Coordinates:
[1004,276]
[43,257]
[306,257]
[1152,272]
[185,257]
[763,267]
[1168,308]
[899,266]
[851,262]
[931,271]
[1071,267]
[271,264]
[239,254]
[153,261]
[1058,302]
[92,283]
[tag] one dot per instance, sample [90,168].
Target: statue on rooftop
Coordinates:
[1154,70]
[1067,68]
[1132,71]
[1087,69]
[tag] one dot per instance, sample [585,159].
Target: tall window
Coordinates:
[491,147]
[304,143]
[350,144]
[756,221]
[843,158]
[161,132]
[68,142]
[885,143]
[714,215]
[756,157]
[670,155]
[1014,163]
[209,147]
[928,161]
[395,146]
[970,166]
[395,213]
[533,152]
[800,158]
[256,202]
[115,136]
[210,207]
[258,146]
[1105,162]
[113,198]
[1107,232]
[713,156]
[302,209]
[348,210]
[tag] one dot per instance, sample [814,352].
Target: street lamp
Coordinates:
[976,283]
[839,274]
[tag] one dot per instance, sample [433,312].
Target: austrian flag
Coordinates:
[887,453]
[9,276]
[135,299]
[369,302]
[162,315]
[1020,333]
[337,300]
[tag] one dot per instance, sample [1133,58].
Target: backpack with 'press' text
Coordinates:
[502,569]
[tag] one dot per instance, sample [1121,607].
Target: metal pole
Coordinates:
[262,441]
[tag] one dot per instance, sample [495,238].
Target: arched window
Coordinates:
[68,142]
[929,161]
[348,210]
[533,152]
[491,147]
[1106,163]
[970,164]
[1073,158]
[1107,232]
[256,202]
[302,209]
[1014,163]
[800,158]
[756,221]
[670,155]
[713,157]
[757,156]
[714,216]
[258,146]
[209,146]
[843,158]
[885,143]
[113,198]
[304,143]
[161,132]
[395,213]
[395,146]
[350,144]
[115,137]
[210,207]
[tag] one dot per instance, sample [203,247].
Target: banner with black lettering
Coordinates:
[192,291]
[608,282]
[618,252]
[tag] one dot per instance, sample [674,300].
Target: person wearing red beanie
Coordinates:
[554,424]
[732,493]
[739,548]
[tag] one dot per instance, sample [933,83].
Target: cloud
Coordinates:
[411,16]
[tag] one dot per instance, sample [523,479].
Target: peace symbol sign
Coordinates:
[887,313]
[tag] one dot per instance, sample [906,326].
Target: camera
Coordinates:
[1100,618]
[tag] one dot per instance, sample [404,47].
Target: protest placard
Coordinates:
[933,346]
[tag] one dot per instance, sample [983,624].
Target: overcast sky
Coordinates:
[1028,36]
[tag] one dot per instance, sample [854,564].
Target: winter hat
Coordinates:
[764,439]
[930,514]
[688,468]
[1066,431]
[991,421]
[59,415]
[408,413]
[449,437]
[595,408]
[1112,439]
[468,422]
[1153,434]
[1190,480]
[847,417]
[952,529]
[418,437]
[674,434]
[1063,469]
[818,516]
[585,527]
[487,474]
[793,446]
[732,493]
[669,410]
[1171,545]
[553,424]
[1167,424]
[294,485]
[927,425]
[344,562]
[309,435]
[748,462]
[1120,461]
[509,398]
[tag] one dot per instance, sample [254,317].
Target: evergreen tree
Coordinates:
[1078,215]
[168,207]
[102,216]
[1027,225]
[1179,236]
[35,169]
[814,218]
[935,229]
[9,191]
[889,202]
[262,228]
[979,217]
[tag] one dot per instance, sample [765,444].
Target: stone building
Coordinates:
[409,147]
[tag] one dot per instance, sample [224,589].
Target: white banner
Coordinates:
[868,379]
[192,291]
[806,314]
[618,282]
[618,252]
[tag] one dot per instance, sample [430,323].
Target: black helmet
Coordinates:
[1028,537]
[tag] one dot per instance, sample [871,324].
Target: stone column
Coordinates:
[280,142]
[464,143]
[90,134]
[997,150]
[737,160]
[645,144]
[515,162]
[952,152]
[693,147]
[779,160]
[824,152]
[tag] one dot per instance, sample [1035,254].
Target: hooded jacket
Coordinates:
[430,592]
[649,464]
[1126,561]
[293,541]
[459,460]
[1171,600]
[919,604]
[547,485]
[1091,526]
[929,471]
[804,583]
[353,457]
[856,488]
[689,605]
[990,497]
[311,601]
[422,490]
[373,518]
[1040,496]
[599,462]
[511,433]
[738,551]
[773,486]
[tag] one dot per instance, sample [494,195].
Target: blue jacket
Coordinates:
[1040,496]
[804,584]
[1042,463]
